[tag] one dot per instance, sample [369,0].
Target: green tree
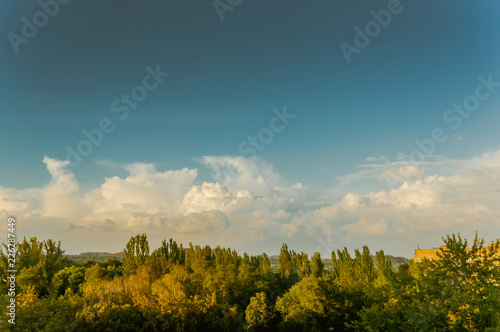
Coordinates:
[4,266]
[70,277]
[390,302]
[363,262]
[54,257]
[264,265]
[34,277]
[287,266]
[385,272]
[199,259]
[38,262]
[30,253]
[136,252]
[48,314]
[345,271]
[259,312]
[312,304]
[462,285]
[317,266]
[172,252]
[304,264]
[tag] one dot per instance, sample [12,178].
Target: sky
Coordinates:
[248,124]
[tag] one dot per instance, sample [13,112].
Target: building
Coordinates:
[431,254]
[420,254]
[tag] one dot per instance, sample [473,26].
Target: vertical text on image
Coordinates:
[11,269]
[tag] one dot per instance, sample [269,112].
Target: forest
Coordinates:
[199,288]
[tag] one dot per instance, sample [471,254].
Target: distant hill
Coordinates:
[96,256]
[396,261]
[105,256]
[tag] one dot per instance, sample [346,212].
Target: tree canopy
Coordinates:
[200,288]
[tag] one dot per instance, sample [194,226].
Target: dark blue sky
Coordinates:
[227,76]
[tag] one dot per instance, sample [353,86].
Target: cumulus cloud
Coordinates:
[208,196]
[104,226]
[140,169]
[467,199]
[248,201]
[367,227]
[409,173]
[255,175]
[16,202]
[203,222]
[161,201]
[61,198]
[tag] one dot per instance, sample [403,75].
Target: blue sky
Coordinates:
[226,77]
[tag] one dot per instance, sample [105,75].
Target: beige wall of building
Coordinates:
[420,254]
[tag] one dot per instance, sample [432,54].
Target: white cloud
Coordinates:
[203,222]
[379,158]
[468,199]
[61,198]
[256,203]
[367,227]
[208,196]
[254,175]
[152,200]
[409,173]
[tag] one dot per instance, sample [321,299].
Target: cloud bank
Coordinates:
[248,201]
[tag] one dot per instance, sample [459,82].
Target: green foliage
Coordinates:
[172,252]
[116,318]
[303,305]
[204,289]
[313,304]
[463,285]
[54,257]
[259,312]
[317,266]
[34,277]
[363,264]
[199,259]
[38,262]
[288,266]
[30,253]
[70,277]
[136,252]
[3,268]
[44,314]
[457,292]
[303,264]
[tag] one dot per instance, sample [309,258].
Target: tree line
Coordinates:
[197,288]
